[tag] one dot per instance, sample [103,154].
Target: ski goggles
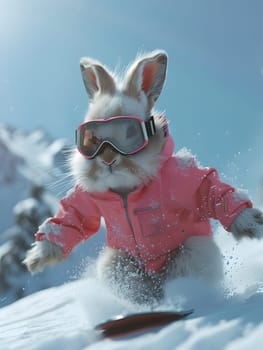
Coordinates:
[126,134]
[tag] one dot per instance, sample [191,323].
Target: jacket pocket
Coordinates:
[150,220]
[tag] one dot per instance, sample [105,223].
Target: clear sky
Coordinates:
[213,96]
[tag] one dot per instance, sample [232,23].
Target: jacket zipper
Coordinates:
[125,205]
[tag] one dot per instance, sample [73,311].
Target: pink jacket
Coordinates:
[153,220]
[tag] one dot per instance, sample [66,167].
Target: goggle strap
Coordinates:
[150,126]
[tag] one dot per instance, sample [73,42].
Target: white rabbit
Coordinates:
[156,205]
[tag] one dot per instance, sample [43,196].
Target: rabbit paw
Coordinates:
[41,254]
[249,223]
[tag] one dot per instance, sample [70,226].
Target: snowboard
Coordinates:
[139,322]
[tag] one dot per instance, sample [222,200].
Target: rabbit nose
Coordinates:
[108,156]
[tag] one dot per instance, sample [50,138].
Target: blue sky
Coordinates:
[213,94]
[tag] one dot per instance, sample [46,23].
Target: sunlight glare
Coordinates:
[11,16]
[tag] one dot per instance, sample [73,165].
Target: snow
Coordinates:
[64,316]
[50,228]
[30,162]
[241,194]
[185,158]
[228,318]
[26,158]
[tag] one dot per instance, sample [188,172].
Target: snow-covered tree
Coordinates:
[31,164]
[29,214]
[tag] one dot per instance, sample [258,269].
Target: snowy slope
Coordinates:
[231,318]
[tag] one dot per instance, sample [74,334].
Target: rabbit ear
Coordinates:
[96,78]
[147,75]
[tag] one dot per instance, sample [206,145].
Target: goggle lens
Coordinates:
[127,135]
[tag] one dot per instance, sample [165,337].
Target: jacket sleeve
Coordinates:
[219,200]
[77,219]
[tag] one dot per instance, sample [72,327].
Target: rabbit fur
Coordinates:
[135,95]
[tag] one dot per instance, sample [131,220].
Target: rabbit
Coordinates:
[156,205]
